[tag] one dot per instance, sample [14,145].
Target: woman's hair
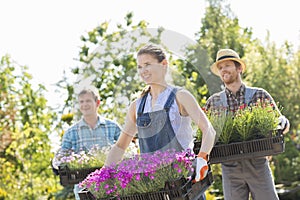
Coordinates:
[145,90]
[154,50]
[157,52]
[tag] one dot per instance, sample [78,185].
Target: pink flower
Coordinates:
[141,173]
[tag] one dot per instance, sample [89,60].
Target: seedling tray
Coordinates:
[71,177]
[244,150]
[180,189]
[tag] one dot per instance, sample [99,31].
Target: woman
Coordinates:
[163,114]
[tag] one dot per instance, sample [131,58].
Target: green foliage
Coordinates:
[256,121]
[288,163]
[216,189]
[25,146]
[223,125]
[277,71]
[220,29]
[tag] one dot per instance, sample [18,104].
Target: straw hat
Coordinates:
[226,54]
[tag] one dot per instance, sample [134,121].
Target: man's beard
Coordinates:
[230,80]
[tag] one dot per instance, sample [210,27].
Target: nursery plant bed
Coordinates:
[71,177]
[180,189]
[244,150]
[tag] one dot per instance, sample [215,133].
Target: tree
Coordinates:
[220,29]
[276,70]
[25,146]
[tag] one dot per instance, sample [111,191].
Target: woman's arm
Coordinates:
[127,134]
[189,106]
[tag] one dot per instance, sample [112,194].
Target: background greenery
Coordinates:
[27,121]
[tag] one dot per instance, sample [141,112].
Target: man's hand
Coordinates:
[283,124]
[201,169]
[54,165]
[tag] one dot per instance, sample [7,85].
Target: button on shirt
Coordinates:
[82,137]
[235,101]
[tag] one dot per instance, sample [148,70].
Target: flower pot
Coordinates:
[73,176]
[245,150]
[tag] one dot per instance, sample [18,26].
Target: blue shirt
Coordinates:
[81,136]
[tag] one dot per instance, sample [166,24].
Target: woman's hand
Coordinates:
[201,169]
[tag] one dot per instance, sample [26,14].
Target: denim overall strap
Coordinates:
[142,104]
[155,131]
[250,91]
[170,100]
[223,99]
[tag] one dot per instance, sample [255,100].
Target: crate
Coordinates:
[200,187]
[180,189]
[71,177]
[244,150]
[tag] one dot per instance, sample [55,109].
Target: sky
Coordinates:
[45,35]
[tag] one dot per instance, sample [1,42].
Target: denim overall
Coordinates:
[247,175]
[155,130]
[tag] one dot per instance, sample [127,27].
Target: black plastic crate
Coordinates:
[200,187]
[180,189]
[71,177]
[244,150]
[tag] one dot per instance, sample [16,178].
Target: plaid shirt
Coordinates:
[235,101]
[80,136]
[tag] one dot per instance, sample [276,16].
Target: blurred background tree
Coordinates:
[25,147]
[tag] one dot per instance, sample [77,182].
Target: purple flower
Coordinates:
[141,173]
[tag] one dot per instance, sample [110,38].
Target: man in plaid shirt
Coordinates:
[92,129]
[240,178]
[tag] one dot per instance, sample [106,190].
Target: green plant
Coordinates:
[222,122]
[258,120]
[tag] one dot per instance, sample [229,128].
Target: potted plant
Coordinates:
[248,132]
[74,167]
[160,174]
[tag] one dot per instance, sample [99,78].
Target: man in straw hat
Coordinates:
[240,178]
